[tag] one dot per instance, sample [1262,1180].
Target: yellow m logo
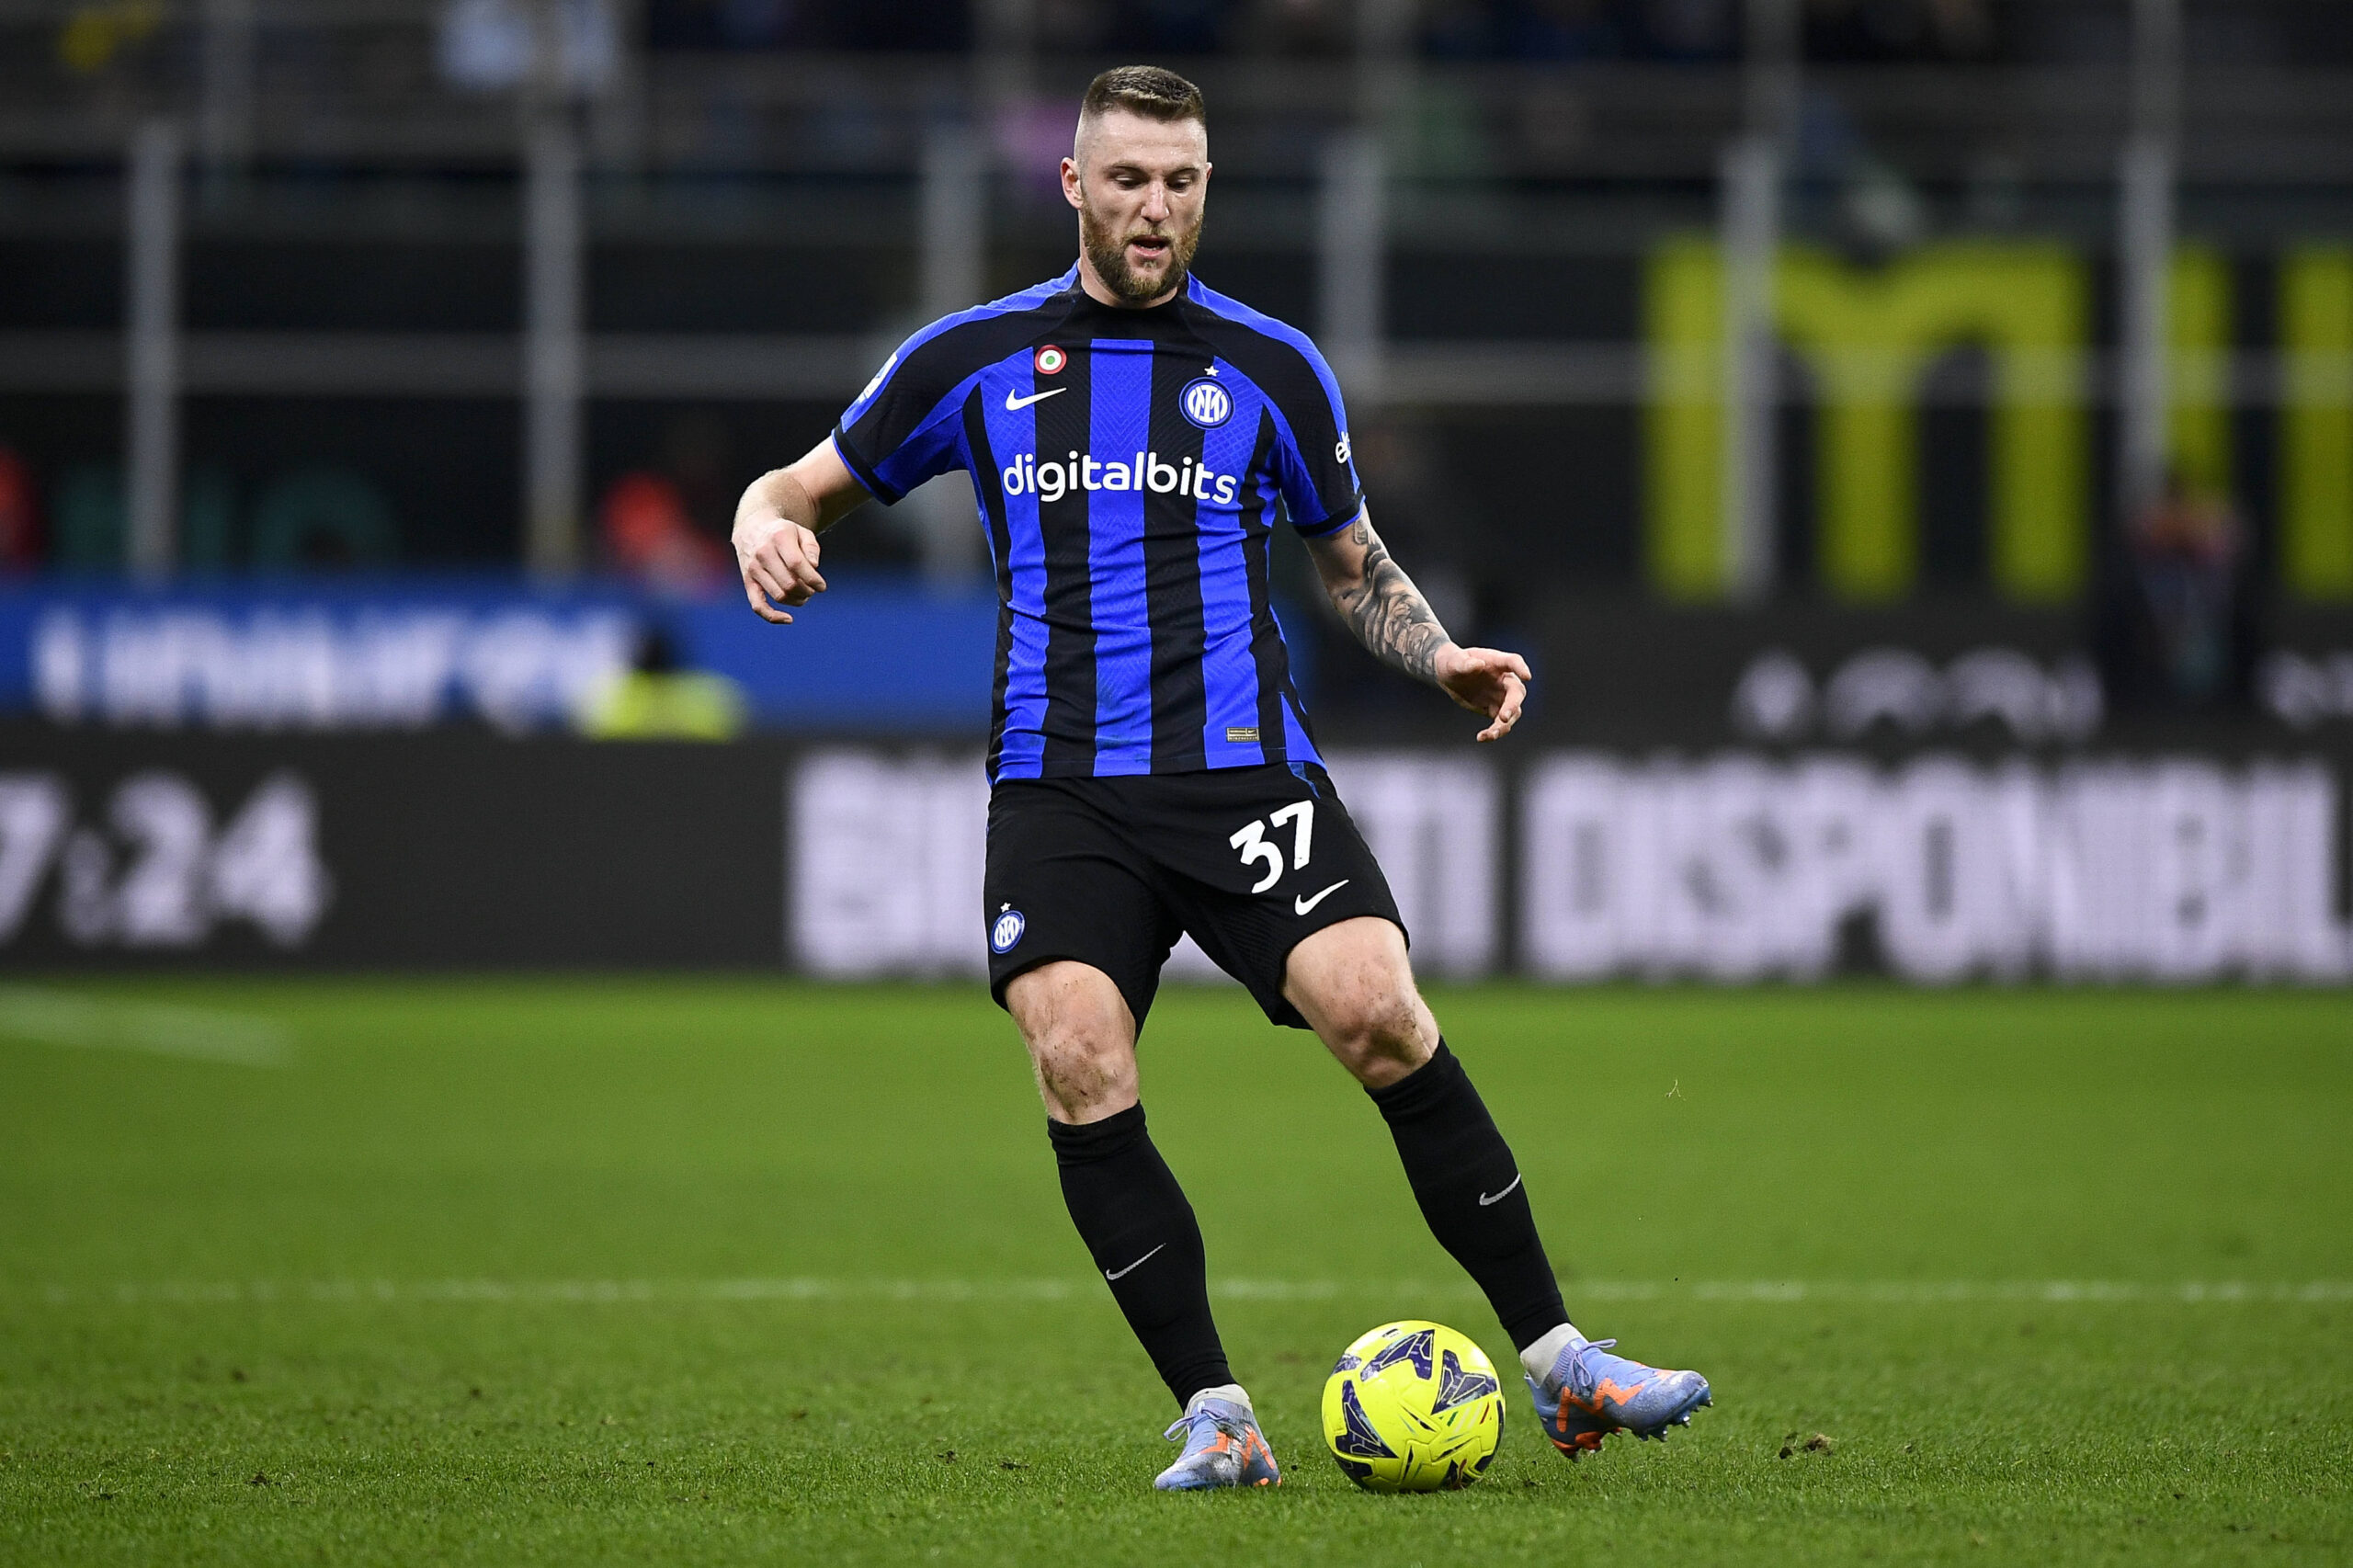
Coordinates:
[1869,336]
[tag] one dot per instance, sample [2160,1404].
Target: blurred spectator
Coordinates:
[85,518]
[19,517]
[656,700]
[648,535]
[2177,633]
[315,519]
[490,45]
[485,44]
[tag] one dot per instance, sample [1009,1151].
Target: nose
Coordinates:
[1155,202]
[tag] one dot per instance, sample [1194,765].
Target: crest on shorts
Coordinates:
[1006,935]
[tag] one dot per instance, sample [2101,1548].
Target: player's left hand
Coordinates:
[1484,680]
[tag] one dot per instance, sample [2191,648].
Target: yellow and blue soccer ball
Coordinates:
[1412,1406]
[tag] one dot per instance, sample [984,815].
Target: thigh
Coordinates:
[1258,859]
[1355,986]
[1061,883]
[1081,1038]
[1350,967]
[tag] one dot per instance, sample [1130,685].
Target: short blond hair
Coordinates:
[1145,90]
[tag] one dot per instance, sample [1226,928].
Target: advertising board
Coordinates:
[451,849]
[443,849]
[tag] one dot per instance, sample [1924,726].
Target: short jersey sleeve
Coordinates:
[903,429]
[1314,465]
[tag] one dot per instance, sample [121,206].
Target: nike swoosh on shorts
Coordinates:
[1014,405]
[1301,905]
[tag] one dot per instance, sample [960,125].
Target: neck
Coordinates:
[1100,291]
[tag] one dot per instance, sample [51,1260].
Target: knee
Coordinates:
[1375,1026]
[1083,1075]
[1071,1047]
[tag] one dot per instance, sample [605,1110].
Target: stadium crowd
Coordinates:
[1836,32]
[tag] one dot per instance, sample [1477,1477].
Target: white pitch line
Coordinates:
[93,1022]
[2057,1292]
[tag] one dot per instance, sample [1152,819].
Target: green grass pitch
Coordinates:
[690,1270]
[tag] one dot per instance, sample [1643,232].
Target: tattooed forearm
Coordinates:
[1385,611]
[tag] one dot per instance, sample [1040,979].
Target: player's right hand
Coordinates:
[779,565]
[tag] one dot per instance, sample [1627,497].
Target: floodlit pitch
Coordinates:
[686,1270]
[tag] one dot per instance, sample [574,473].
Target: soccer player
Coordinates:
[1134,437]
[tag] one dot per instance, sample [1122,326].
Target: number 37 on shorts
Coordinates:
[1299,815]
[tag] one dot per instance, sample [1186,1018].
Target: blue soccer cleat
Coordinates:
[1566,1427]
[1222,1447]
[1590,1394]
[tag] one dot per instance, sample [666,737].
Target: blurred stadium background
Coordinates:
[1912,438]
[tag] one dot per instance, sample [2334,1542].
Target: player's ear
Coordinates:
[1072,192]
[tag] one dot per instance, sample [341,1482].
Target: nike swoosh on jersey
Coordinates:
[1014,404]
[1131,1269]
[1301,905]
[1485,1201]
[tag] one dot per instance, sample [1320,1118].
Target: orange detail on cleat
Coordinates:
[1614,1391]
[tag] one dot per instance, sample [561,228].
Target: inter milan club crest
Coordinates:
[1050,359]
[1206,403]
[1007,933]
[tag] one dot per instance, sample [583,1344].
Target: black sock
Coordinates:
[1134,1218]
[1468,1188]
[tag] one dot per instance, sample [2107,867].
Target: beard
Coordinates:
[1107,251]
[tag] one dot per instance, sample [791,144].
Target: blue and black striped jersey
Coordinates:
[1130,466]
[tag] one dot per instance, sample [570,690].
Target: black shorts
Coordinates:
[1111,871]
